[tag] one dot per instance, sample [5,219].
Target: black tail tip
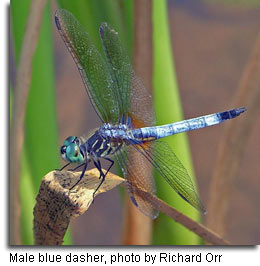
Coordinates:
[240,110]
[232,113]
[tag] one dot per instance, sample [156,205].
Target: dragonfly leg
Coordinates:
[63,167]
[98,165]
[77,167]
[82,174]
[112,163]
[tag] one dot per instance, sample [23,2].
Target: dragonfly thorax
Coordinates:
[101,145]
[115,132]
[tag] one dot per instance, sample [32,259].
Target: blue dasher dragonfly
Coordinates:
[124,106]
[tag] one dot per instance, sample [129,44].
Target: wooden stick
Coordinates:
[56,205]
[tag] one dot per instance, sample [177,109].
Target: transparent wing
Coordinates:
[139,176]
[141,111]
[163,159]
[133,98]
[93,69]
[134,101]
[120,66]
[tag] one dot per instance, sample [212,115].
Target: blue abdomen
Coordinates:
[157,132]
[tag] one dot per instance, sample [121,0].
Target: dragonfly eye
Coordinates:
[77,141]
[73,153]
[70,151]
[63,149]
[69,140]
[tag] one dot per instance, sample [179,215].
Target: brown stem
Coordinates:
[232,144]
[23,80]
[199,229]
[134,231]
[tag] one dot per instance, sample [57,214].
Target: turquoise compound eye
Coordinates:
[70,151]
[73,153]
[70,140]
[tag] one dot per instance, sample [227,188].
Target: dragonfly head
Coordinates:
[70,150]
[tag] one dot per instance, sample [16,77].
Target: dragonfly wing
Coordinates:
[140,180]
[120,66]
[141,111]
[93,69]
[171,169]
[133,98]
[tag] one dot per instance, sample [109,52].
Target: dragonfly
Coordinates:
[128,133]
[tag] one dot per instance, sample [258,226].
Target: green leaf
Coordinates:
[27,199]
[168,109]
[19,14]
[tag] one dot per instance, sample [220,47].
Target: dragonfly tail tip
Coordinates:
[241,110]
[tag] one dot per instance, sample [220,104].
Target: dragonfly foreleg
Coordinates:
[98,165]
[63,167]
[82,174]
[77,167]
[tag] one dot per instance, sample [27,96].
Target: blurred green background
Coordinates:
[200,49]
